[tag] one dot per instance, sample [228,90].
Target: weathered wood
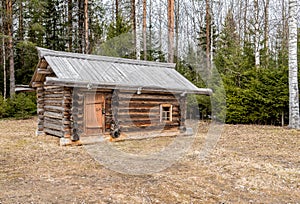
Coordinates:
[53,132]
[67,122]
[53,115]
[53,103]
[54,91]
[53,88]
[47,96]
[53,126]
[53,121]
[54,100]
[147,96]
[148,100]
[182,112]
[40,127]
[37,84]
[43,71]
[143,117]
[142,110]
[148,123]
[149,103]
[40,105]
[63,109]
[55,108]
[40,111]
[81,84]
[147,129]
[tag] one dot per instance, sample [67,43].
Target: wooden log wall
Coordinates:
[108,110]
[57,111]
[142,112]
[183,104]
[135,113]
[40,109]
[77,118]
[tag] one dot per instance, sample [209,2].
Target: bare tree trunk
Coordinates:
[266,33]
[80,26]
[4,67]
[3,57]
[21,21]
[294,118]
[256,34]
[3,49]
[86,27]
[171,31]
[9,15]
[150,25]
[145,28]
[160,25]
[21,32]
[208,22]
[133,25]
[70,25]
[177,29]
[117,10]
[245,20]
[240,19]
[285,29]
[211,35]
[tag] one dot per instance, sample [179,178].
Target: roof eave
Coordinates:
[94,85]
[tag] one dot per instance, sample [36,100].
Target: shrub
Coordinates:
[3,107]
[21,106]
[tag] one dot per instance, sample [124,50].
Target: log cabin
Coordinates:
[81,96]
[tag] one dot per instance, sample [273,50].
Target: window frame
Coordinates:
[170,106]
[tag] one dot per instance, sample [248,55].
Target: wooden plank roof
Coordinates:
[73,69]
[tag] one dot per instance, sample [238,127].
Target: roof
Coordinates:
[73,69]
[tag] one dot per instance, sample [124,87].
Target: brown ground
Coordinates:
[250,164]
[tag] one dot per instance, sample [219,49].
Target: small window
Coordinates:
[165,112]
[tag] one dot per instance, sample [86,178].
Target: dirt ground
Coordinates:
[249,164]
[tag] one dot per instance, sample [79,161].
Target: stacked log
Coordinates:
[40,109]
[108,111]
[57,114]
[63,111]
[141,112]
[182,106]
[67,106]
[77,118]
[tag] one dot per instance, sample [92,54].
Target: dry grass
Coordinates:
[250,164]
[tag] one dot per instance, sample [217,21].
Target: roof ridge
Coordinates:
[47,52]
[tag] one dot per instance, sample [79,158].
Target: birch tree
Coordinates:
[145,28]
[208,24]
[293,67]
[256,33]
[266,31]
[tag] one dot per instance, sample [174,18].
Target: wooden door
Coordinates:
[94,114]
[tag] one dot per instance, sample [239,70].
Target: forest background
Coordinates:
[246,41]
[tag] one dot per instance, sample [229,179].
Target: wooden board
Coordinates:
[94,107]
